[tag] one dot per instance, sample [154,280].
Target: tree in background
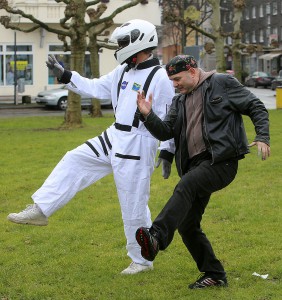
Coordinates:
[74,31]
[192,14]
[238,7]
[205,9]
[179,12]
[176,17]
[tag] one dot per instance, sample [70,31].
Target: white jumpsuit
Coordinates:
[130,155]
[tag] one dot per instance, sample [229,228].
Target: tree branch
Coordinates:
[106,45]
[63,1]
[117,11]
[194,27]
[34,20]
[94,2]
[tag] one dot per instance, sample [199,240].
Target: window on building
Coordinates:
[267,8]
[254,12]
[53,48]
[229,40]
[224,18]
[274,30]
[231,17]
[64,59]
[253,36]
[274,8]
[268,20]
[21,61]
[261,38]
[247,16]
[247,38]
[261,10]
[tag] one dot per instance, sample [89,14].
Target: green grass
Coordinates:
[80,254]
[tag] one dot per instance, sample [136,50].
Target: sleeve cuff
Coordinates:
[166,155]
[66,77]
[143,118]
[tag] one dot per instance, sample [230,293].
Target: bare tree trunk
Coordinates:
[220,60]
[237,36]
[74,28]
[73,116]
[95,110]
[219,40]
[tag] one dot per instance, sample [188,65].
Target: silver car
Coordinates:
[59,98]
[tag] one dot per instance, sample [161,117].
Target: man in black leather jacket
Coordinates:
[205,120]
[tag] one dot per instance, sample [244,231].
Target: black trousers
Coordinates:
[185,209]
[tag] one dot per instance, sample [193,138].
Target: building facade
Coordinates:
[261,26]
[32,49]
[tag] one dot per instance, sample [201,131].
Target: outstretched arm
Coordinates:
[55,66]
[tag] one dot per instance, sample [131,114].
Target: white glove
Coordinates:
[166,167]
[54,65]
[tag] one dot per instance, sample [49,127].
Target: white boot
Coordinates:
[32,215]
[136,268]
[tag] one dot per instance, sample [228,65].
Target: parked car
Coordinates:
[277,81]
[259,79]
[59,98]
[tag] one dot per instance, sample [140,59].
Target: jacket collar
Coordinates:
[148,64]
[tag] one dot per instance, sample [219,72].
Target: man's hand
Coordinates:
[263,149]
[166,167]
[54,65]
[145,106]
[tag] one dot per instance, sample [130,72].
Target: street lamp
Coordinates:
[15,68]
[15,18]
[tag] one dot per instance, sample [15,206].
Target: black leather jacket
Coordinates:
[225,100]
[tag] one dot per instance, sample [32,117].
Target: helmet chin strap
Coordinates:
[131,61]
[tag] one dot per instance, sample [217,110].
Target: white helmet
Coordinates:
[133,37]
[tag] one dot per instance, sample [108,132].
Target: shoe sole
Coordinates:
[36,223]
[147,250]
[133,273]
[199,287]
[208,287]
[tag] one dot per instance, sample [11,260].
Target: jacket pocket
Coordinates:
[216,100]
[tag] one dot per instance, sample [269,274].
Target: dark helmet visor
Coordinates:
[123,42]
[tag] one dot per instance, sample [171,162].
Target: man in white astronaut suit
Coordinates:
[126,148]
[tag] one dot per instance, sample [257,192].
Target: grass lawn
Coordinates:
[80,254]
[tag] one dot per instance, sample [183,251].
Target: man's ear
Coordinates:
[193,72]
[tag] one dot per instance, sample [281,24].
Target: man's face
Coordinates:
[184,81]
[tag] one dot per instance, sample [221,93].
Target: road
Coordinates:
[39,111]
[267,96]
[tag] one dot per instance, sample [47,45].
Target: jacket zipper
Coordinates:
[183,126]
[205,126]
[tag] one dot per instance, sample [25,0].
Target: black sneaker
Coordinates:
[207,281]
[149,244]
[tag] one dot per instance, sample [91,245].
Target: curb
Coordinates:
[19,106]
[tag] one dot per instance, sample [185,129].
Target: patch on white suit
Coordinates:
[136,87]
